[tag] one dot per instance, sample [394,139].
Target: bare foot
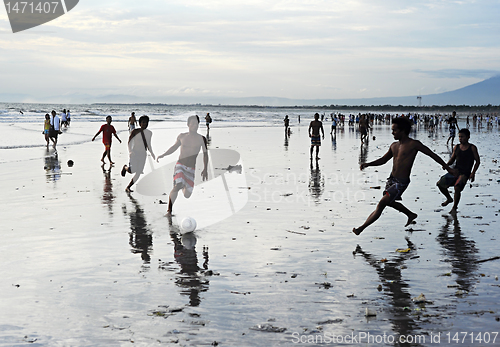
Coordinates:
[453,211]
[128,190]
[112,162]
[447,202]
[411,219]
[124,170]
[103,160]
[357,231]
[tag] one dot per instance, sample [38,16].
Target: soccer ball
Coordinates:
[188,224]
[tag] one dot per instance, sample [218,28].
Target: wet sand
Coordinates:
[86,264]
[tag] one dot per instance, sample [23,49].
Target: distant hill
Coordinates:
[482,93]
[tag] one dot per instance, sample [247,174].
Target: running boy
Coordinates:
[107,131]
[190,144]
[465,156]
[403,154]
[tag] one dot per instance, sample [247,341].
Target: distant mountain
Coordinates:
[482,93]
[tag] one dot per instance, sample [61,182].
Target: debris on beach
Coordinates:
[331,321]
[296,232]
[326,285]
[419,299]
[403,250]
[370,313]
[489,259]
[269,328]
[243,293]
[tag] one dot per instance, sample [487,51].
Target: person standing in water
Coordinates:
[403,154]
[314,129]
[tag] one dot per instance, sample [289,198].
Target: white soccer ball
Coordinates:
[188,224]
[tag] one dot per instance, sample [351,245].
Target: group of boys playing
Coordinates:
[403,152]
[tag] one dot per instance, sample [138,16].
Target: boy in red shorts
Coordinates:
[107,131]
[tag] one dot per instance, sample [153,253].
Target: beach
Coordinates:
[85,264]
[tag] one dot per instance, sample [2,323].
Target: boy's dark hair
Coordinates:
[464,131]
[403,124]
[192,117]
[143,119]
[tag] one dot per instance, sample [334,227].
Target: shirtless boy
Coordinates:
[314,128]
[403,154]
[465,154]
[184,172]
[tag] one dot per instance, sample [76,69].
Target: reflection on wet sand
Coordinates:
[140,236]
[363,153]
[334,141]
[107,191]
[52,166]
[190,279]
[316,181]
[460,252]
[395,287]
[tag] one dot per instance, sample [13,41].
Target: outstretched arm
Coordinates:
[381,161]
[172,149]
[424,149]
[96,134]
[476,165]
[117,137]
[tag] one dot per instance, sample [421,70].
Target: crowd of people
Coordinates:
[403,152]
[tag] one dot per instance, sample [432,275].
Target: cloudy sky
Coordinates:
[307,49]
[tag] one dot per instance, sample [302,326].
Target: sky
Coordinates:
[307,49]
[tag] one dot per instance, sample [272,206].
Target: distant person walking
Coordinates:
[132,123]
[286,122]
[139,143]
[208,120]
[453,128]
[55,128]
[403,154]
[107,131]
[334,125]
[314,133]
[363,128]
[46,128]
[64,118]
[190,144]
[465,157]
